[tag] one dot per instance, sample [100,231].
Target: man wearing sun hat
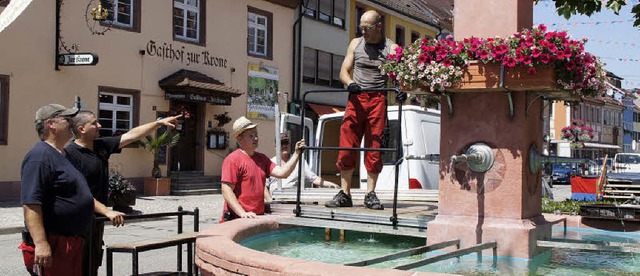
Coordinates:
[55,197]
[245,172]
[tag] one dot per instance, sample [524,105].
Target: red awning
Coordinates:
[324,109]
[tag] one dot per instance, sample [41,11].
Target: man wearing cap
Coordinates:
[90,153]
[55,197]
[292,180]
[245,172]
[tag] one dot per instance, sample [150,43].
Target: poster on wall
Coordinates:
[262,92]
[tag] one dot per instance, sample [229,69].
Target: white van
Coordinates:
[626,163]
[420,145]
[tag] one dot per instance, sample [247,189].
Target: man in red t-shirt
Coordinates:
[245,172]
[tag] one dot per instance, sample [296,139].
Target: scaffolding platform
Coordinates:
[415,209]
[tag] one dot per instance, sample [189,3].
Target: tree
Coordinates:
[154,145]
[567,8]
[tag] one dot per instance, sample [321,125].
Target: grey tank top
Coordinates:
[368,58]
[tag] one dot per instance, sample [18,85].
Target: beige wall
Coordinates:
[28,57]
[561,119]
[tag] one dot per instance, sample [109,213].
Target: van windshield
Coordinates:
[628,158]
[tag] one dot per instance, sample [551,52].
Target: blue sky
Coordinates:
[611,41]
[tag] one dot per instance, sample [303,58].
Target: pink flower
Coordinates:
[535,52]
[542,27]
[531,71]
[483,54]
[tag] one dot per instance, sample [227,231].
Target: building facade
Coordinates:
[338,21]
[154,58]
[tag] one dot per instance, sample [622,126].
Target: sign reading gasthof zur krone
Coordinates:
[78,59]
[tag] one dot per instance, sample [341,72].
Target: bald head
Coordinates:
[371,17]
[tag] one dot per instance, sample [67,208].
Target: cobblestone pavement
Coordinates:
[210,207]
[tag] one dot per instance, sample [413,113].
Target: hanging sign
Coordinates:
[78,59]
[198,98]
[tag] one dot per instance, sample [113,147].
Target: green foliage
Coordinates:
[154,145]
[118,186]
[567,8]
[567,206]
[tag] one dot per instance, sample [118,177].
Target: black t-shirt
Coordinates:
[50,180]
[94,164]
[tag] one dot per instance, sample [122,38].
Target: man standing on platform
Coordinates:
[366,111]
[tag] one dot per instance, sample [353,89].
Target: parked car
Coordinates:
[561,172]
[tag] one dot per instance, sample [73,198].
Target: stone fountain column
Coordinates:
[502,204]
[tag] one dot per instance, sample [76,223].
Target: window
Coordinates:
[324,10]
[188,20]
[329,11]
[309,66]
[359,12]
[400,35]
[259,33]
[414,36]
[335,74]
[322,68]
[123,14]
[390,141]
[4,109]
[310,9]
[118,110]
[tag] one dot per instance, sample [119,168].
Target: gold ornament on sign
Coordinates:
[99,14]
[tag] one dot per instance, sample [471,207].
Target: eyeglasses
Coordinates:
[368,28]
[284,142]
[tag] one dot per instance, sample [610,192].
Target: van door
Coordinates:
[291,123]
[328,135]
[421,150]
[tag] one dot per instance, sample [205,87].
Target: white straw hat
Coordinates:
[242,124]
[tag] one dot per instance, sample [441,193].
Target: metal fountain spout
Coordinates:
[479,157]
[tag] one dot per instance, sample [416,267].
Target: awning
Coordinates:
[324,109]
[187,85]
[602,146]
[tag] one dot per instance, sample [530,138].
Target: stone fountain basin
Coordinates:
[218,253]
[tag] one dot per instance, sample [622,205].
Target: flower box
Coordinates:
[547,63]
[480,77]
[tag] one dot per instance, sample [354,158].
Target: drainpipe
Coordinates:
[297,41]
[439,32]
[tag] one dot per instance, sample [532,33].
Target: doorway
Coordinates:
[187,154]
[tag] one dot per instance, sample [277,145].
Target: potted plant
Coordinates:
[157,185]
[222,118]
[121,194]
[577,133]
[530,60]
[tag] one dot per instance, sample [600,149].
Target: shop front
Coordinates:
[190,92]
